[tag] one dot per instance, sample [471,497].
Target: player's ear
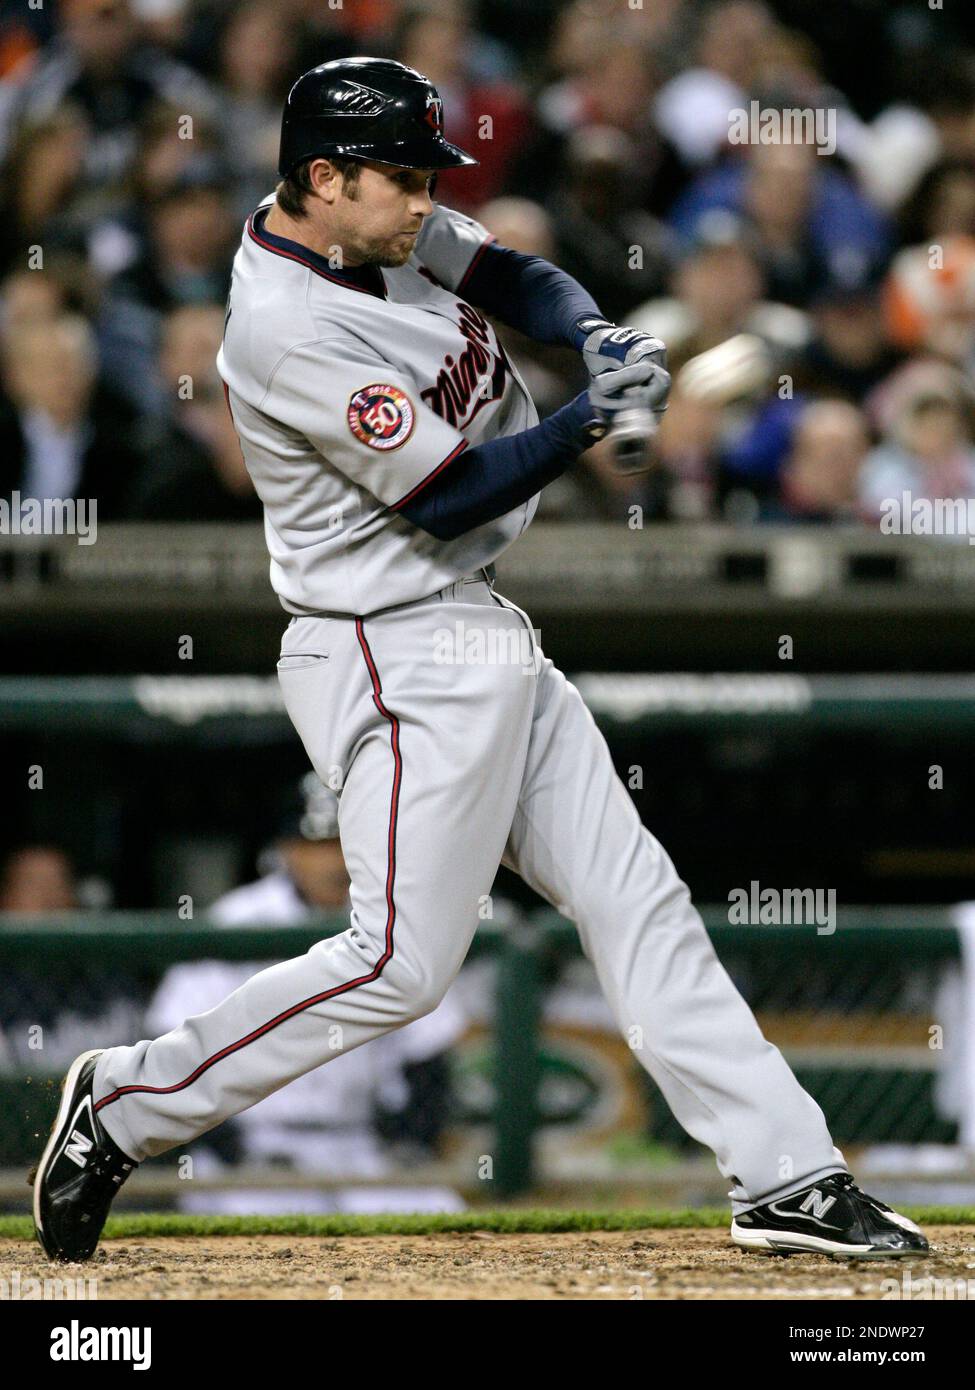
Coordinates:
[325,179]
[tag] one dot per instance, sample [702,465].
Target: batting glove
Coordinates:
[642,386]
[612,354]
[605,345]
[605,406]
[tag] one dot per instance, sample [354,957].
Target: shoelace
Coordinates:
[845,1180]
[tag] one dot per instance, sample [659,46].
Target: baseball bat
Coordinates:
[732,369]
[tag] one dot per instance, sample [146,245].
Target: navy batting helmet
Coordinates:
[366,108]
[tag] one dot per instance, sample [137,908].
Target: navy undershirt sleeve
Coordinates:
[530,294]
[486,481]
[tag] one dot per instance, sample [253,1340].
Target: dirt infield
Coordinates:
[686,1264]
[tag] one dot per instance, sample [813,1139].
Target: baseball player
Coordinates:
[398,454]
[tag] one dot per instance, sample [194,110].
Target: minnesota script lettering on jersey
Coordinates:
[462,379]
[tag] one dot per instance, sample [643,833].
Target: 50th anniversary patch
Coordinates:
[382,416]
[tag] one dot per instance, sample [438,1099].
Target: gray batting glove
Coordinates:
[605,345]
[642,386]
[609,352]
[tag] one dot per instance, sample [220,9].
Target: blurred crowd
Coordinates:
[137,135]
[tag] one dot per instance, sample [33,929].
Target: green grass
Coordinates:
[512,1222]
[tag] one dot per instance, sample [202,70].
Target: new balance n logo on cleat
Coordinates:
[817,1204]
[78,1147]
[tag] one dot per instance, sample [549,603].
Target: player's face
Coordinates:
[383,217]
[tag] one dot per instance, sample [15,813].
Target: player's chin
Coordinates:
[396,252]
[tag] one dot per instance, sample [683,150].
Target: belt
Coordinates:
[485,575]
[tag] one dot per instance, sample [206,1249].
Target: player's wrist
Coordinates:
[585,327]
[590,425]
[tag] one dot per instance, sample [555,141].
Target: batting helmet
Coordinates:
[366,108]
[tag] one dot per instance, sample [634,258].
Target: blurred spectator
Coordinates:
[820,478]
[925,413]
[488,116]
[931,298]
[619,252]
[63,433]
[37,878]
[807,218]
[45,1021]
[193,468]
[188,260]
[795,459]
[751,453]
[42,181]
[18,40]
[69,276]
[25,298]
[762,459]
[943,204]
[850,351]
[930,293]
[791,79]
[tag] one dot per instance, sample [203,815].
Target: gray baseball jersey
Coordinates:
[351,388]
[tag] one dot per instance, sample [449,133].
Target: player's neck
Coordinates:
[303,231]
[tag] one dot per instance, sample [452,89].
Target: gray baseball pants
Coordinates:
[459,746]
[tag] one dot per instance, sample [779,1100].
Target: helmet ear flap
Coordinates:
[432,188]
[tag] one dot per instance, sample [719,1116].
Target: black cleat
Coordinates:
[832,1217]
[80,1171]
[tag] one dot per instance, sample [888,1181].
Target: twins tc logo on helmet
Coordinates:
[381,416]
[434,112]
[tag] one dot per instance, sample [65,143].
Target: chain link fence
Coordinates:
[539,1074]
